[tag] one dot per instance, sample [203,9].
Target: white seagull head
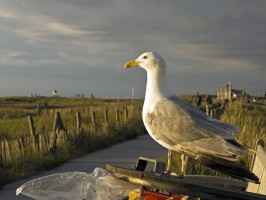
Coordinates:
[157,87]
[150,61]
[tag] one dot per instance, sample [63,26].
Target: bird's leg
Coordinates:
[169,156]
[184,160]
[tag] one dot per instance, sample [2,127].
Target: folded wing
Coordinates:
[188,130]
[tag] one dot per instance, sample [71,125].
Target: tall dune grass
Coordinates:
[250,119]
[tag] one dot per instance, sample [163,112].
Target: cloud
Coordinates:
[224,40]
[6,14]
[43,28]
[212,58]
[8,57]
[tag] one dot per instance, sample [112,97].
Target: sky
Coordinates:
[80,46]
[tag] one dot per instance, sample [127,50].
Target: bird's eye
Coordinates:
[145,57]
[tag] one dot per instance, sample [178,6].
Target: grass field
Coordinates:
[14,112]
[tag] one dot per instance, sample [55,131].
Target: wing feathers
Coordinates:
[179,126]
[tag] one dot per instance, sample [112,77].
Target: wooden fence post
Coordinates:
[22,145]
[40,145]
[214,114]
[7,152]
[1,159]
[117,117]
[36,144]
[31,123]
[78,120]
[106,116]
[15,150]
[126,114]
[3,152]
[46,142]
[58,124]
[93,120]
[35,138]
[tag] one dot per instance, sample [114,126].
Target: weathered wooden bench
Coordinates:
[258,167]
[204,187]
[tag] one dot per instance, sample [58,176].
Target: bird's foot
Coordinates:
[169,173]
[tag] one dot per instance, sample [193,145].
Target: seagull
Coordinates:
[179,126]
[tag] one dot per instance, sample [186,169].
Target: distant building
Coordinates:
[225,92]
[54,93]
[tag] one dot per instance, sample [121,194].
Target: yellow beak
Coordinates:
[132,63]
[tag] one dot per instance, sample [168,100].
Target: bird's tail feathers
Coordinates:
[235,169]
[226,160]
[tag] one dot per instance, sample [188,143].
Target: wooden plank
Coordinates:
[217,180]
[258,168]
[180,185]
[262,188]
[31,124]
[261,154]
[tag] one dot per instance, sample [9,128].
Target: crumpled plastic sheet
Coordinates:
[99,185]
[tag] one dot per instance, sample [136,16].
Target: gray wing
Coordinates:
[186,129]
[178,123]
[200,118]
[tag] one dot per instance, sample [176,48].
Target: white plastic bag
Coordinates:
[99,185]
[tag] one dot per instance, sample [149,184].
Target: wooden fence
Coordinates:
[15,150]
[216,112]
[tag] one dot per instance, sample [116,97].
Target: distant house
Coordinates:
[54,93]
[236,94]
